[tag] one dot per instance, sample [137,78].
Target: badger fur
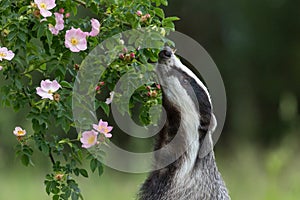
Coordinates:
[190,123]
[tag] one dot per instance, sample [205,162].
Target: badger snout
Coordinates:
[165,54]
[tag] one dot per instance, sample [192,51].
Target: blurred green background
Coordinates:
[256,45]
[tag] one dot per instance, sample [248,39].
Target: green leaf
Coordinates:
[22,9]
[93,164]
[25,160]
[74,196]
[11,35]
[164,2]
[40,31]
[159,12]
[84,173]
[104,107]
[45,148]
[22,36]
[100,170]
[157,2]
[66,84]
[55,197]
[43,66]
[49,37]
[170,19]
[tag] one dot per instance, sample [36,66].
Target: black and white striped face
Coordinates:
[182,88]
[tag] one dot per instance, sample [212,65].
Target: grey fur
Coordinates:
[194,175]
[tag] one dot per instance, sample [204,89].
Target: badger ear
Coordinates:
[207,143]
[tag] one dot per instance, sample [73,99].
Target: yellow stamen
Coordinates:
[74,41]
[20,132]
[3,54]
[43,5]
[91,139]
[105,130]
[50,92]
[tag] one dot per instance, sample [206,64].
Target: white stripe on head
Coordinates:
[182,67]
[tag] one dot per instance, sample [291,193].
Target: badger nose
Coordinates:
[166,53]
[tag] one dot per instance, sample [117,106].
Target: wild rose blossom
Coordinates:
[59,25]
[139,13]
[45,6]
[6,54]
[47,89]
[102,127]
[110,99]
[89,139]
[75,40]
[19,131]
[95,27]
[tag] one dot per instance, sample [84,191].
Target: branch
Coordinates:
[51,157]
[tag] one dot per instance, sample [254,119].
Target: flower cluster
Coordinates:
[90,138]
[153,92]
[75,39]
[143,17]
[98,87]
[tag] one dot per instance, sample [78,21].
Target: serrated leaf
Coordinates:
[22,36]
[11,35]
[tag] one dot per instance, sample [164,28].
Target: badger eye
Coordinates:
[185,81]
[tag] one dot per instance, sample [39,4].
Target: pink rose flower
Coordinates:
[45,6]
[59,25]
[102,127]
[19,131]
[6,54]
[95,27]
[88,139]
[75,40]
[47,89]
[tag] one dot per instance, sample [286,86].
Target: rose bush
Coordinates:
[42,44]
